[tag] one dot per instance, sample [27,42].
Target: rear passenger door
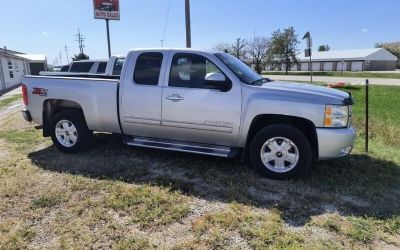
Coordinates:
[141,95]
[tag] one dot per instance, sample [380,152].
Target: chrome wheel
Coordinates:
[279,154]
[66,133]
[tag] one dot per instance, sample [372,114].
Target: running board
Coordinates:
[196,148]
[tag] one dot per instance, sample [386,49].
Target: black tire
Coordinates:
[76,118]
[284,131]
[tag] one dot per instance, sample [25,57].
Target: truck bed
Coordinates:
[97,98]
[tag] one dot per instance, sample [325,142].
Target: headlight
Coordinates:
[336,116]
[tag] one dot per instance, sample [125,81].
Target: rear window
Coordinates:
[102,68]
[81,67]
[148,67]
[118,66]
[64,68]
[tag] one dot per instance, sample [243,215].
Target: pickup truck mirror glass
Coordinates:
[217,81]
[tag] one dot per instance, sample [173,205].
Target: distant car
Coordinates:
[89,68]
[65,68]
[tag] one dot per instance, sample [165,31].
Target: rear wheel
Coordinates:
[280,151]
[69,131]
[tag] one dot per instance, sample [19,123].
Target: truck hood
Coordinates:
[309,90]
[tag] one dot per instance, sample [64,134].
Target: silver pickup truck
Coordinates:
[199,102]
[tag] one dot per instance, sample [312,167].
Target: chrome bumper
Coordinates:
[334,143]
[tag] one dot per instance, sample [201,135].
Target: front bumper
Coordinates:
[27,115]
[334,143]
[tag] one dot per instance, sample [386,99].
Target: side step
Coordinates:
[196,148]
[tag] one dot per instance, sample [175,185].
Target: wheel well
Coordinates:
[52,107]
[304,125]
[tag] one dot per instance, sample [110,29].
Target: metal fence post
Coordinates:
[366,114]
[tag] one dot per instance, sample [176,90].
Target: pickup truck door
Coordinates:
[194,111]
[141,88]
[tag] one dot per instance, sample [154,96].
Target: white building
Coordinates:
[14,65]
[348,60]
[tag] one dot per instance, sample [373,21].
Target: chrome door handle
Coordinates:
[174,98]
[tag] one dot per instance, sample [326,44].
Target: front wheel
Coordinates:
[280,151]
[69,131]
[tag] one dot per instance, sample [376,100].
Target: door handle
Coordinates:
[174,98]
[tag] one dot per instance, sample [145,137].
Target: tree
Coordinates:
[393,48]
[283,48]
[239,48]
[80,56]
[223,47]
[325,47]
[258,53]
[378,45]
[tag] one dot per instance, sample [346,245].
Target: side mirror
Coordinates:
[217,81]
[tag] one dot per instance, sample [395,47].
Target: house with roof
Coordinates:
[14,65]
[375,59]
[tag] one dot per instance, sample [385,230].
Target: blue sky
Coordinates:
[45,26]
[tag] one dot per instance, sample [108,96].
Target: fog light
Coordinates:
[346,150]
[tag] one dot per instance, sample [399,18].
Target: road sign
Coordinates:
[307,52]
[106,9]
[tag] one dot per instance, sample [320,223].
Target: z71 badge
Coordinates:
[39,91]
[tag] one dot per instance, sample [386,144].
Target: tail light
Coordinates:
[25,94]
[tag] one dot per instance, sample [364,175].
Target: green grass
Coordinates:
[384,104]
[8,100]
[114,196]
[338,74]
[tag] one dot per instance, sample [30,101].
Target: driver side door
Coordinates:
[194,111]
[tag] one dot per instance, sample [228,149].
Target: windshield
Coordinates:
[239,68]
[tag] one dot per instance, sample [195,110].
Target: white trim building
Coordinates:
[14,65]
[350,60]
[376,59]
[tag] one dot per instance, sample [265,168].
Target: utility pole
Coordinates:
[60,58]
[108,37]
[308,51]
[188,31]
[66,52]
[80,39]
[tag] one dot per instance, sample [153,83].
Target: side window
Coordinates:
[190,70]
[81,67]
[118,66]
[10,69]
[147,69]
[102,68]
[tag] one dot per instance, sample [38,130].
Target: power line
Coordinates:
[165,24]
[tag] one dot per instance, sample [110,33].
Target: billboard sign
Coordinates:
[106,9]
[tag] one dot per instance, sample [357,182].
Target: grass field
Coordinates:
[338,74]
[6,101]
[114,196]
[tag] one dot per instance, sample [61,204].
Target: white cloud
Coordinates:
[364,30]
[43,33]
